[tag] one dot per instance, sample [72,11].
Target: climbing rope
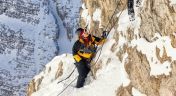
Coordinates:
[67,76]
[67,86]
[111,18]
[109,31]
[97,51]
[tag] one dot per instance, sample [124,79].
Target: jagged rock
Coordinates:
[173,38]
[59,70]
[164,56]
[31,88]
[107,10]
[124,91]
[154,20]
[138,69]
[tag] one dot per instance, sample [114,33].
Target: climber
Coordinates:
[84,50]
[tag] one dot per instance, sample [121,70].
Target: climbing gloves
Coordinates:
[104,34]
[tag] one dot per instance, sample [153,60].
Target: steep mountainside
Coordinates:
[31,34]
[138,58]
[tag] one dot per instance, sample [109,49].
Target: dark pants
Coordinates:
[83,70]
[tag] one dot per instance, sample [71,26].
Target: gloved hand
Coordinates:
[92,49]
[86,50]
[104,35]
[89,50]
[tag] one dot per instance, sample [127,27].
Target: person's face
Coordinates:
[85,34]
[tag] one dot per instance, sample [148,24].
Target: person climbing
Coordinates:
[84,50]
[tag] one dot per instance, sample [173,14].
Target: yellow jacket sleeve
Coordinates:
[85,55]
[77,58]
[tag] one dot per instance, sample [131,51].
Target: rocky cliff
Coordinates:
[156,25]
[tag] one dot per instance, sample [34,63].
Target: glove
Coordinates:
[104,35]
[87,50]
[92,49]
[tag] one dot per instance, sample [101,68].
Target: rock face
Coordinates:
[146,46]
[156,21]
[156,17]
[107,10]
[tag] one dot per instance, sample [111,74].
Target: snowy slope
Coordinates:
[109,78]
[112,74]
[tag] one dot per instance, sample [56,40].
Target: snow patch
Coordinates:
[124,21]
[158,69]
[135,92]
[83,6]
[97,15]
[122,40]
[172,2]
[85,15]
[125,79]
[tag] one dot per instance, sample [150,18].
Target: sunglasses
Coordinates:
[85,32]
